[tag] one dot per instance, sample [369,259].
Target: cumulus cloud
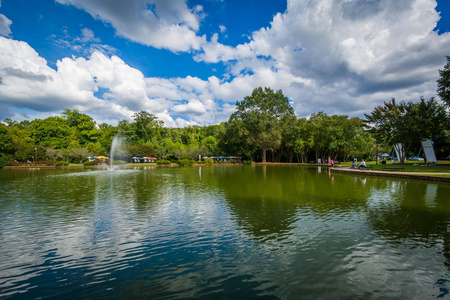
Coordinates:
[158,23]
[5,24]
[341,57]
[193,107]
[323,52]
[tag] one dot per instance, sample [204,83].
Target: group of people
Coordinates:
[361,165]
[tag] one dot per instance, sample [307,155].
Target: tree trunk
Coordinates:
[264,150]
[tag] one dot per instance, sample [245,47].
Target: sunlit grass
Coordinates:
[411,166]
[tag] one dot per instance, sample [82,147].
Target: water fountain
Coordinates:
[115,145]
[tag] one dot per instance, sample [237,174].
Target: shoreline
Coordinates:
[431,176]
[393,174]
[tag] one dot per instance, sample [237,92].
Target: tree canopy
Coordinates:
[443,83]
[263,128]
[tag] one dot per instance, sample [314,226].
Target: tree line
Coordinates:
[262,128]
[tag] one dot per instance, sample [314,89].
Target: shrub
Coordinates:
[248,162]
[208,161]
[172,158]
[119,162]
[89,163]
[231,161]
[61,163]
[163,162]
[5,159]
[186,162]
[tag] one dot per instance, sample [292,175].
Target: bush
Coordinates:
[186,162]
[209,161]
[163,162]
[119,162]
[231,161]
[5,159]
[172,158]
[61,163]
[90,163]
[248,162]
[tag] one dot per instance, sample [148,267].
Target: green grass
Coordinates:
[409,167]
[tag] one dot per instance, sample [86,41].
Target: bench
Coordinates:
[365,168]
[393,168]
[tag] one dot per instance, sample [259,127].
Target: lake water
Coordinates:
[274,232]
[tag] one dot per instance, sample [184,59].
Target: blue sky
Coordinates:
[188,62]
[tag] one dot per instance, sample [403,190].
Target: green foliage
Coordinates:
[119,162]
[52,132]
[263,128]
[5,159]
[142,150]
[443,83]
[163,162]
[247,162]
[144,127]
[407,123]
[90,163]
[6,141]
[82,125]
[62,163]
[260,118]
[172,158]
[208,161]
[186,162]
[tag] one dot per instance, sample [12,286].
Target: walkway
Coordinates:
[430,176]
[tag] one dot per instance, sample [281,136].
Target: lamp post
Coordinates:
[377,154]
[35,159]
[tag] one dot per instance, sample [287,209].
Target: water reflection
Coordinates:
[228,232]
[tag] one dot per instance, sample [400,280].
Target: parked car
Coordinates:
[416,158]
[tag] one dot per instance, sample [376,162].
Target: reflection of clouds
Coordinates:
[393,270]
[430,195]
[183,231]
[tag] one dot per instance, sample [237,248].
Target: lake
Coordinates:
[229,232]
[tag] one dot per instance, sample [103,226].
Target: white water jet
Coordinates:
[115,145]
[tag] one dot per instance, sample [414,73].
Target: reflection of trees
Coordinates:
[267,199]
[406,215]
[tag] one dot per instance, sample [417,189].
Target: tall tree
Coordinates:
[444,83]
[393,124]
[262,115]
[51,132]
[83,125]
[6,146]
[408,123]
[144,127]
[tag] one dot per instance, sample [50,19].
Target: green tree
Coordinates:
[6,146]
[51,132]
[210,144]
[262,115]
[144,127]
[443,83]
[83,124]
[395,123]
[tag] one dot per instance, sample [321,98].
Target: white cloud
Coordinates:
[85,44]
[5,24]
[222,28]
[158,23]
[342,57]
[193,107]
[322,53]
